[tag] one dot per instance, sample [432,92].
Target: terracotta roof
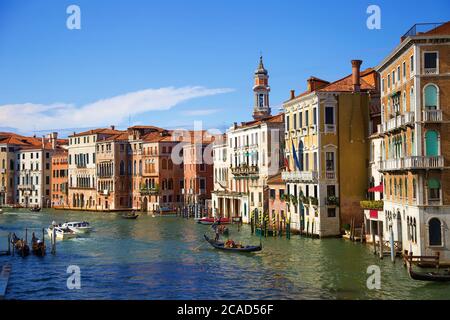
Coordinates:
[122,136]
[279,118]
[346,84]
[443,29]
[96,131]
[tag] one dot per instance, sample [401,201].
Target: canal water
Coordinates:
[167,258]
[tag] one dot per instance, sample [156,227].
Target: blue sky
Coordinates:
[170,62]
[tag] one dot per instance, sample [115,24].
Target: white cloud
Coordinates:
[30,116]
[200,112]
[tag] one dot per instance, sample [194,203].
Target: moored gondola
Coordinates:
[427,275]
[37,246]
[35,209]
[20,246]
[230,246]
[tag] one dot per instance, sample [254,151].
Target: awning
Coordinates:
[376,189]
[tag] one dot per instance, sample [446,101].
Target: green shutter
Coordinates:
[431,97]
[434,184]
[431,138]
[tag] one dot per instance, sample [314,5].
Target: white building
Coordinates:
[82,167]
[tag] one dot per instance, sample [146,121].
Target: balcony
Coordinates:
[330,175]
[430,71]
[397,122]
[332,201]
[245,170]
[432,116]
[25,187]
[300,176]
[149,191]
[412,163]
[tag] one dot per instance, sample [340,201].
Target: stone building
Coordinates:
[415,100]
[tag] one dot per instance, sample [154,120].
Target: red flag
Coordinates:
[286,164]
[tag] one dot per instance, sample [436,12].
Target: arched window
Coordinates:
[140,167]
[412,101]
[432,143]
[435,232]
[134,167]
[431,97]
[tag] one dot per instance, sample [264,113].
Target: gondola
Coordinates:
[35,209]
[428,276]
[37,246]
[131,216]
[221,246]
[20,246]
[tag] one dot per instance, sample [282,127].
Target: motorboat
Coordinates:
[62,233]
[35,209]
[78,227]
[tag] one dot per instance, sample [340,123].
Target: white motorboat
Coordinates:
[78,227]
[1,211]
[61,232]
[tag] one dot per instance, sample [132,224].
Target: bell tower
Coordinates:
[261,91]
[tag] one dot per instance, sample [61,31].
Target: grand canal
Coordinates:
[166,258]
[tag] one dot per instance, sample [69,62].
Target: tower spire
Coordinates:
[261,91]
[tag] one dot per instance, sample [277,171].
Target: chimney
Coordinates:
[113,127]
[356,75]
[292,94]
[43,142]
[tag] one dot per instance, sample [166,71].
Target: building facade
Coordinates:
[83,169]
[327,151]
[415,97]
[59,178]
[198,173]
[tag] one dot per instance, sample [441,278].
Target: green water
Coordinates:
[166,258]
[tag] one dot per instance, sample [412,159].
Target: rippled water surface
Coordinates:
[166,258]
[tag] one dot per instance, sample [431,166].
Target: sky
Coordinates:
[170,63]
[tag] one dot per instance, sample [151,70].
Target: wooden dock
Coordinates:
[4,278]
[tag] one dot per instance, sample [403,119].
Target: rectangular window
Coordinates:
[404,70]
[329,115]
[411,64]
[389,81]
[287,123]
[430,60]
[306,118]
[330,161]
[300,119]
[393,77]
[331,212]
[272,193]
[315,116]
[398,73]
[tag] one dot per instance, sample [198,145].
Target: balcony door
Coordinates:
[432,143]
[431,97]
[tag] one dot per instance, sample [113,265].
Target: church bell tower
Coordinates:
[261,91]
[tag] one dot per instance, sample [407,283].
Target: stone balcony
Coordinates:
[397,122]
[300,176]
[412,163]
[432,116]
[244,170]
